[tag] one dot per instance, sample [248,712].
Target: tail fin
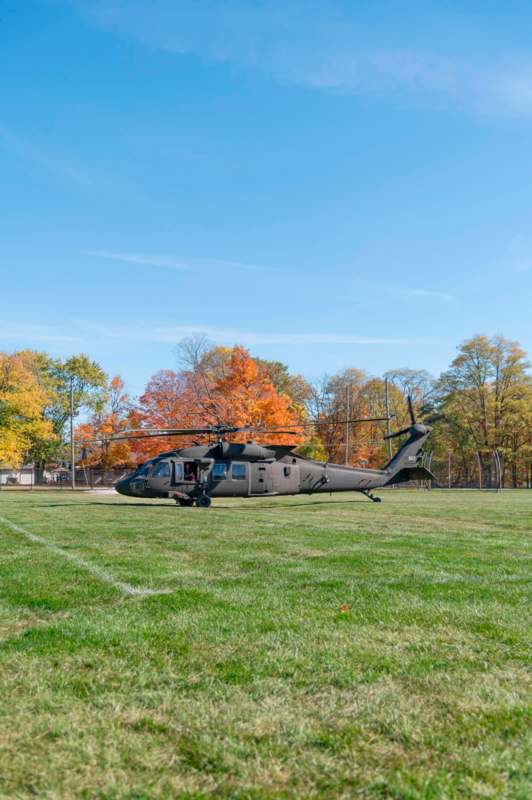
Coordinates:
[406,460]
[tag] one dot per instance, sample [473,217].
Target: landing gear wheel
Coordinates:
[377,499]
[203,501]
[186,501]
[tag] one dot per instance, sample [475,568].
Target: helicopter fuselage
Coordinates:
[195,474]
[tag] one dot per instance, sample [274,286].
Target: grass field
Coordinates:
[151,651]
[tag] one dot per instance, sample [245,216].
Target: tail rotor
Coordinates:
[425,421]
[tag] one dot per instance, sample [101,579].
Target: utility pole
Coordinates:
[72,449]
[498,469]
[387,403]
[449,470]
[347,424]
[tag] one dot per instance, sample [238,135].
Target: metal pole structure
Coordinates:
[387,403]
[347,424]
[72,453]
[498,469]
[449,470]
[479,471]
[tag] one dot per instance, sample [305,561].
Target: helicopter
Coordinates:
[194,475]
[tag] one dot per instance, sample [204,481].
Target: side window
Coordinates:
[219,472]
[238,472]
[178,471]
[161,470]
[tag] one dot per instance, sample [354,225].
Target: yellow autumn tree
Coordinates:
[22,402]
[486,397]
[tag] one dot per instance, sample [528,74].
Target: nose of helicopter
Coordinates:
[123,487]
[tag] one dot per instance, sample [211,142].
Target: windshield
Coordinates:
[143,470]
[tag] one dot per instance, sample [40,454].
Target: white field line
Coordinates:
[101,574]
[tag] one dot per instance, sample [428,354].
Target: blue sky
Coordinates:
[328,183]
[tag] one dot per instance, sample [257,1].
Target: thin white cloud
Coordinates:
[27,333]
[321,44]
[174,334]
[428,293]
[57,164]
[164,262]
[212,264]
[138,258]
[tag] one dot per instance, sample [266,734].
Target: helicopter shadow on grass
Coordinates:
[95,503]
[291,506]
[269,507]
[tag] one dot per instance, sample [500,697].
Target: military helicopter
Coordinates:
[194,475]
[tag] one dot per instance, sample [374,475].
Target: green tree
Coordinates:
[295,386]
[57,377]
[486,399]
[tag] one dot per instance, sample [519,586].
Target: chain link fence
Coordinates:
[85,478]
[453,471]
[483,470]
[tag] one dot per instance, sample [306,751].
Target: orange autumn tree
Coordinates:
[219,385]
[370,449]
[328,409]
[245,395]
[167,402]
[112,419]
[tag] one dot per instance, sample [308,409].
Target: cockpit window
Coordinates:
[161,470]
[143,470]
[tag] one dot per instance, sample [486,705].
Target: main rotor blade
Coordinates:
[150,433]
[143,433]
[220,430]
[146,433]
[323,422]
[157,434]
[346,421]
[164,431]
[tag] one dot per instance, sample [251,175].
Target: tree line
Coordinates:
[481,404]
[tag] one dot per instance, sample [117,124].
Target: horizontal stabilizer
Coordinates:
[412,474]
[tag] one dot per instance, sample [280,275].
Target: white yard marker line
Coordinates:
[101,574]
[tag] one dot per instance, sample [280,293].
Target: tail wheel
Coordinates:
[203,501]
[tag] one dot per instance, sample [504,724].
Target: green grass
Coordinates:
[246,680]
